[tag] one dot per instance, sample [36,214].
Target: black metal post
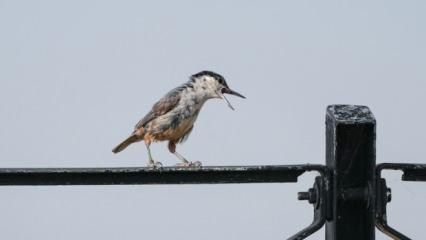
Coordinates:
[350,155]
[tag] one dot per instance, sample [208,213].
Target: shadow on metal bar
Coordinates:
[411,172]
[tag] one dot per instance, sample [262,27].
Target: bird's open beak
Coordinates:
[232,92]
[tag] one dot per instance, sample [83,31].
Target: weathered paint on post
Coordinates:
[350,155]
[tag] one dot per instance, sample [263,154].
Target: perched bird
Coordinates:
[172,117]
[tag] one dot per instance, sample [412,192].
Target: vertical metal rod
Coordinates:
[350,154]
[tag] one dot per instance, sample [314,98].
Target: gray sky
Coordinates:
[77,75]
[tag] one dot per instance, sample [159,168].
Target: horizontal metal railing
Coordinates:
[165,175]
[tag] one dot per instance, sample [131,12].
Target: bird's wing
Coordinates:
[162,107]
[186,135]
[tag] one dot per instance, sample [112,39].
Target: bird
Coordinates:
[172,118]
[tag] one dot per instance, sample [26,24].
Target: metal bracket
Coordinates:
[384,196]
[411,172]
[317,197]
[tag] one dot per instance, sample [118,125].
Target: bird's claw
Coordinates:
[155,165]
[196,164]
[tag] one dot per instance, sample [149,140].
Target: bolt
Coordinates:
[303,196]
[388,195]
[310,195]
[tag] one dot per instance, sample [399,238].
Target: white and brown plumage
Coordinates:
[172,117]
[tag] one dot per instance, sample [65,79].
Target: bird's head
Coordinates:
[214,85]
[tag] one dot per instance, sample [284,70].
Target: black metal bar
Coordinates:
[411,172]
[166,175]
[350,154]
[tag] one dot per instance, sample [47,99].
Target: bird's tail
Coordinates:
[133,138]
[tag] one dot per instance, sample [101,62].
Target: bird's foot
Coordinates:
[188,164]
[155,165]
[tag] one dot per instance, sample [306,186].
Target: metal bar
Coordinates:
[166,175]
[411,172]
[350,154]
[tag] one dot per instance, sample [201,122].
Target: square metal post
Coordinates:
[350,155]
